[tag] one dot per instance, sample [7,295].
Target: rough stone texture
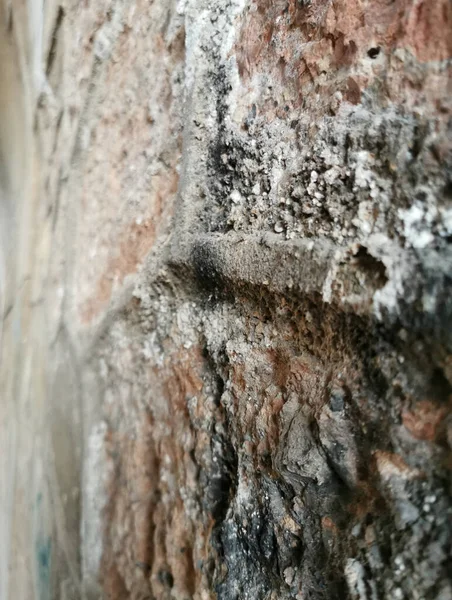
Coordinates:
[242,315]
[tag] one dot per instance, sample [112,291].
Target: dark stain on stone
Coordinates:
[205,265]
[166,578]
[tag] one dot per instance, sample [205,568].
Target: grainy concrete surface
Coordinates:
[226,359]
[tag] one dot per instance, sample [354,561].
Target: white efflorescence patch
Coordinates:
[397,271]
[355,577]
[417,224]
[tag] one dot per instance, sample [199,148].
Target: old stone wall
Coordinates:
[229,346]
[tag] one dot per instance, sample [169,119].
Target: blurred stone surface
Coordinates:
[244,300]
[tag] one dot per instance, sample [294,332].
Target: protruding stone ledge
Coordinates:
[266,260]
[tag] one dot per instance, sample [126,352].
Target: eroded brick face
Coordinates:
[286,451]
